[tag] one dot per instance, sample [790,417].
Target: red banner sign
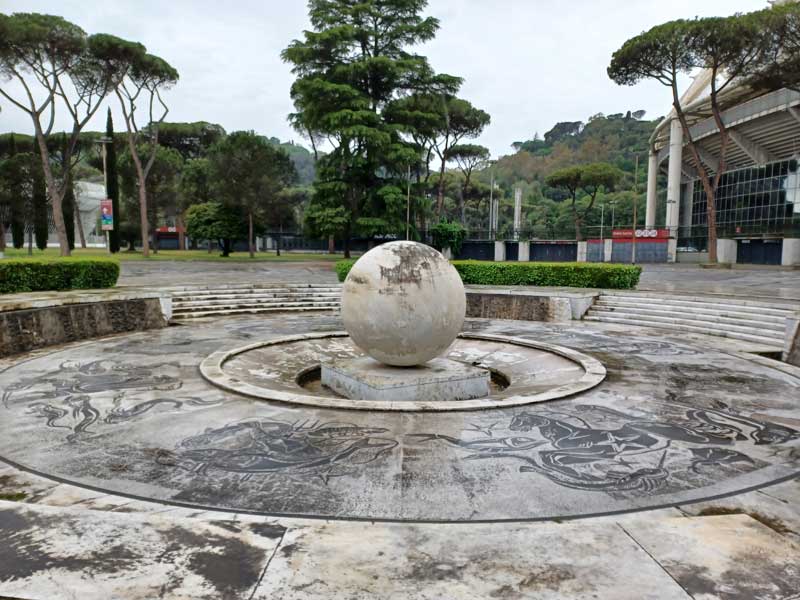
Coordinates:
[106,215]
[641,234]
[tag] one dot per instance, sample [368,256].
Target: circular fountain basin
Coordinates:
[287,370]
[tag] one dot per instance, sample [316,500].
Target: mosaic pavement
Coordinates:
[674,422]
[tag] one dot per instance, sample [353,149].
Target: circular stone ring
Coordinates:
[274,370]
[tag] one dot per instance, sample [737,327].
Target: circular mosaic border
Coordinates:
[212,371]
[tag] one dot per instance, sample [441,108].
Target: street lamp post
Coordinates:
[104,141]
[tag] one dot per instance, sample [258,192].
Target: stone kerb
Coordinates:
[791,352]
[554,306]
[38,320]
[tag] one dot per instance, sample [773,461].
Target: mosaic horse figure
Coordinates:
[266,446]
[631,456]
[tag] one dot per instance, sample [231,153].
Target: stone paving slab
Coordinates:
[55,553]
[478,562]
[725,557]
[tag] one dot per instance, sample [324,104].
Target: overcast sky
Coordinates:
[529,63]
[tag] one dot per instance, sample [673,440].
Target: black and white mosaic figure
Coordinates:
[263,446]
[674,422]
[69,398]
[571,452]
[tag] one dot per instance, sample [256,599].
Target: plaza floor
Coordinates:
[674,478]
[741,281]
[125,474]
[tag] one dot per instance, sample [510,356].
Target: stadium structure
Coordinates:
[758,202]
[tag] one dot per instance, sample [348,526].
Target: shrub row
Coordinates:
[584,275]
[39,275]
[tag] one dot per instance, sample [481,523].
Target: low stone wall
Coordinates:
[526,305]
[32,321]
[791,352]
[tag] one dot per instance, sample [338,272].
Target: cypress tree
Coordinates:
[112,183]
[68,208]
[39,205]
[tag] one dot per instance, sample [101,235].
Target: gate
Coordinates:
[556,252]
[477,251]
[759,252]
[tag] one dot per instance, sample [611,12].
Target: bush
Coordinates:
[39,275]
[343,267]
[448,235]
[584,275]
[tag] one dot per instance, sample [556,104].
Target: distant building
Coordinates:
[758,200]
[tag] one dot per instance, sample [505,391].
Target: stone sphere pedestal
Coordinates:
[403,303]
[438,380]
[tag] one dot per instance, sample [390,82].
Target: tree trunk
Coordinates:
[210,245]
[54,192]
[226,247]
[2,236]
[181,234]
[703,174]
[440,192]
[250,234]
[331,245]
[578,228]
[80,225]
[143,221]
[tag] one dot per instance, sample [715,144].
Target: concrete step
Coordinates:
[193,308]
[251,293]
[701,317]
[692,305]
[216,300]
[249,286]
[781,305]
[710,328]
[243,311]
[674,327]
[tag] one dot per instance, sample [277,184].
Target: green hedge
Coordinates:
[583,275]
[39,275]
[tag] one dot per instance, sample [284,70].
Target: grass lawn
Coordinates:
[183,255]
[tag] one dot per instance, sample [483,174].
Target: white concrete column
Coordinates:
[583,251]
[499,251]
[447,253]
[672,250]
[652,190]
[608,248]
[524,252]
[726,251]
[791,252]
[674,174]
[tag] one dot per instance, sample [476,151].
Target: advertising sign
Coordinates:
[641,234]
[106,215]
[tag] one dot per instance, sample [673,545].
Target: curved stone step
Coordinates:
[215,301]
[276,305]
[778,304]
[692,305]
[776,324]
[243,311]
[675,327]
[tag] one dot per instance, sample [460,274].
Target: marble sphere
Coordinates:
[403,303]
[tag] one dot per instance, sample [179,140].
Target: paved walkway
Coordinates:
[742,281]
[686,279]
[175,273]
[147,551]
